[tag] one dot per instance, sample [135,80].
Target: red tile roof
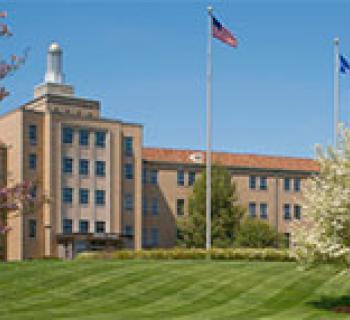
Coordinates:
[230,159]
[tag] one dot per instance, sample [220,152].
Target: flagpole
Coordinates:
[208,157]
[336,93]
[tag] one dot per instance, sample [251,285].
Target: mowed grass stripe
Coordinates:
[154,290]
[204,294]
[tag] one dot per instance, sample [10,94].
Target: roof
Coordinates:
[237,160]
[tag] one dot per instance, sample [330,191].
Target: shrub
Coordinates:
[267,254]
[255,233]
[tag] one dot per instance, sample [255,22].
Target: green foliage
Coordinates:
[192,254]
[254,233]
[226,212]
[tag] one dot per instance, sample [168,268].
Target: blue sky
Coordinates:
[146,62]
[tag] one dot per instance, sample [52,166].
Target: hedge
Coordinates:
[267,254]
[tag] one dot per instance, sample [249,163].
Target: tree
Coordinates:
[8,67]
[254,233]
[226,213]
[323,234]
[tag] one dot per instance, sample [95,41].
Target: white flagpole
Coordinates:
[336,93]
[208,157]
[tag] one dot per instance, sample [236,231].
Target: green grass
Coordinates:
[134,289]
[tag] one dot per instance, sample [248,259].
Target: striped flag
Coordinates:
[223,34]
[344,65]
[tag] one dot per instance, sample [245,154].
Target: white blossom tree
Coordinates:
[323,234]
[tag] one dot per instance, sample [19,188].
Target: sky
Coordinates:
[146,62]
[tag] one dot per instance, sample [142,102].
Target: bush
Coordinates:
[193,254]
[255,233]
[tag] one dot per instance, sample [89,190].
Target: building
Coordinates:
[100,187]
[3,177]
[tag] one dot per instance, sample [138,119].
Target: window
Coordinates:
[33,134]
[100,227]
[33,191]
[84,226]
[286,184]
[286,211]
[179,234]
[263,183]
[144,206]
[180,178]
[100,139]
[67,195]
[100,197]
[129,171]
[32,161]
[144,175]
[84,137]
[180,207]
[67,165]
[67,226]
[128,230]
[32,228]
[67,135]
[297,212]
[252,182]
[128,146]
[297,184]
[154,237]
[263,210]
[83,167]
[128,202]
[191,178]
[155,206]
[84,196]
[252,209]
[144,237]
[154,177]
[100,168]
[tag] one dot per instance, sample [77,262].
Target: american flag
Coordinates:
[221,33]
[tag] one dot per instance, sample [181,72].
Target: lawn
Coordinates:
[169,290]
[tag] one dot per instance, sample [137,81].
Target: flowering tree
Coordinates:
[323,234]
[13,63]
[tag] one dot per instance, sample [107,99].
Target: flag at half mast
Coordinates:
[223,34]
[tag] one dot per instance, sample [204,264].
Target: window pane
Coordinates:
[297,184]
[128,146]
[263,210]
[180,178]
[67,195]
[155,237]
[84,226]
[33,134]
[100,196]
[287,211]
[191,178]
[128,202]
[180,207]
[67,166]
[252,182]
[128,230]
[144,175]
[154,206]
[252,209]
[263,183]
[67,135]
[32,161]
[84,137]
[100,139]
[129,171]
[100,227]
[84,167]
[297,212]
[84,196]
[32,228]
[100,168]
[154,177]
[286,184]
[67,226]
